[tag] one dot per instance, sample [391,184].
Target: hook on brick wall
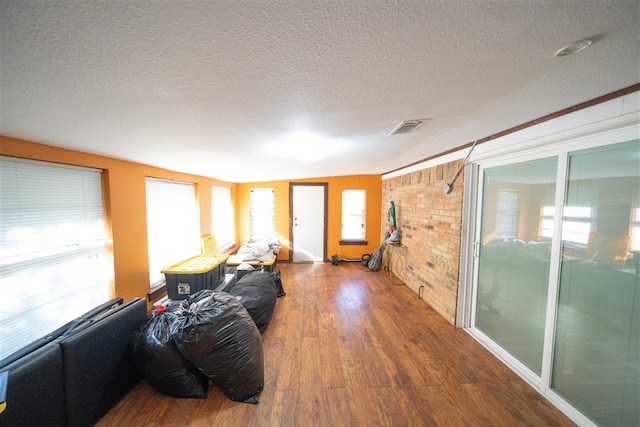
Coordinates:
[420,289]
[449,185]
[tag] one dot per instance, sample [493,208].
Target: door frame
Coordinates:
[325,186]
[561,147]
[472,257]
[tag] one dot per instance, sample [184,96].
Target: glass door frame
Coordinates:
[535,380]
[472,209]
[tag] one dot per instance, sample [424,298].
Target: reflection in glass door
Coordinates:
[596,364]
[584,350]
[514,261]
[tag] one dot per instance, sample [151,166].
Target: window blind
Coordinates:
[262,213]
[222,222]
[53,266]
[353,204]
[173,224]
[507,214]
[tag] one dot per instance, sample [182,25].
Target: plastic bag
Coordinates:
[161,363]
[215,333]
[376,259]
[258,294]
[278,279]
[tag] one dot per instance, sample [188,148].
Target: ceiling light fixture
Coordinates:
[307,147]
[573,48]
[311,154]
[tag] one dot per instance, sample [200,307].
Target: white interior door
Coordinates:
[308,223]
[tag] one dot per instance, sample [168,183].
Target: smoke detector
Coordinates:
[408,126]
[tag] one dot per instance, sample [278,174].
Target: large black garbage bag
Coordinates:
[278,279]
[161,363]
[257,292]
[215,333]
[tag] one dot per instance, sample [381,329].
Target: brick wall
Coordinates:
[428,256]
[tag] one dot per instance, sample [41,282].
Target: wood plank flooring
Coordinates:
[346,347]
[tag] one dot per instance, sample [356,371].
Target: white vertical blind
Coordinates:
[173,225]
[262,213]
[507,214]
[222,223]
[53,266]
[353,204]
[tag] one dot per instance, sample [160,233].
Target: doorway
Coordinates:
[308,221]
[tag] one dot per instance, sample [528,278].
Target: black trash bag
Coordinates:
[258,294]
[161,363]
[364,260]
[277,277]
[215,333]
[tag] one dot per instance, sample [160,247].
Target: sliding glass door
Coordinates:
[595,362]
[513,273]
[557,260]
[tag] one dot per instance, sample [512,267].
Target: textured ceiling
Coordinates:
[241,90]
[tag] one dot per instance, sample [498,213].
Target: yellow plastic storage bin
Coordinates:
[195,274]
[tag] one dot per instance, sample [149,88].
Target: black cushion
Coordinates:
[35,386]
[35,389]
[98,367]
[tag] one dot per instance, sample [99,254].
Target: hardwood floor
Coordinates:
[346,347]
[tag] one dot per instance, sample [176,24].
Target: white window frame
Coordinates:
[173,225]
[561,145]
[354,202]
[54,265]
[222,214]
[262,211]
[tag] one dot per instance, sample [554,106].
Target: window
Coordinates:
[222,223]
[576,224]
[173,226]
[579,214]
[635,231]
[547,214]
[53,264]
[262,213]
[580,211]
[507,214]
[546,229]
[353,219]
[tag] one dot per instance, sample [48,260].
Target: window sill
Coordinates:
[227,248]
[353,243]
[157,291]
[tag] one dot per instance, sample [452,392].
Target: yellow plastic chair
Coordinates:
[208,245]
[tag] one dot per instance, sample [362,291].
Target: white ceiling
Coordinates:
[232,89]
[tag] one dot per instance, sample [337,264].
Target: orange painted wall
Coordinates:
[372,184]
[125,206]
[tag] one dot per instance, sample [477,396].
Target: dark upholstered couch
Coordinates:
[75,375]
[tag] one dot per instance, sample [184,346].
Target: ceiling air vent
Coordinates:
[408,126]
